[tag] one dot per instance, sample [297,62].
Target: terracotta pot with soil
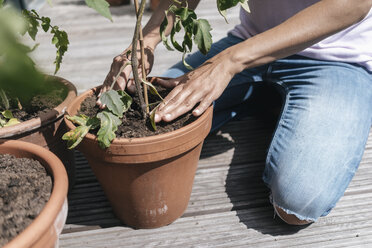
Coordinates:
[44,124]
[148,180]
[26,183]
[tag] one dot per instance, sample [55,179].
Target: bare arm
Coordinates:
[302,30]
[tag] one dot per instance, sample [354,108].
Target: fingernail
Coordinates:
[196,112]
[168,116]
[157,118]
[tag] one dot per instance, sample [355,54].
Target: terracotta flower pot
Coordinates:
[148,181]
[47,130]
[45,229]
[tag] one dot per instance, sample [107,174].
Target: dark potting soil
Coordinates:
[25,188]
[39,104]
[133,125]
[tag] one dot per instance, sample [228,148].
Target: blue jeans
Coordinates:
[321,133]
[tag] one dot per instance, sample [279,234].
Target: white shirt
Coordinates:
[353,45]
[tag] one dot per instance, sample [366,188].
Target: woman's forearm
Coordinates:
[151,31]
[304,29]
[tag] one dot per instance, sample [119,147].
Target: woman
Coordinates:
[318,54]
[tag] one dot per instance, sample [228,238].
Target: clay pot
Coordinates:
[45,229]
[47,130]
[148,181]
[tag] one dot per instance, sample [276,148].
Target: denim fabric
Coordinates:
[321,133]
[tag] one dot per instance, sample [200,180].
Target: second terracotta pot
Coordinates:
[47,129]
[148,181]
[45,229]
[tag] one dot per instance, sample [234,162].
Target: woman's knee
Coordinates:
[299,202]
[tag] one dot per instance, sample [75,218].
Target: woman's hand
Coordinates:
[201,86]
[123,60]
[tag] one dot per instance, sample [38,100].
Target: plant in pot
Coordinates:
[147,176]
[32,104]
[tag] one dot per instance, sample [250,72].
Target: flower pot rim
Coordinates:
[148,139]
[47,118]
[50,211]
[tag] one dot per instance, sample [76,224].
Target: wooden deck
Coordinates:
[229,205]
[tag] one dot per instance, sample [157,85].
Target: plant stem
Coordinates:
[134,56]
[142,49]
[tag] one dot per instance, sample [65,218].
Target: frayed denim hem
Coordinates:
[300,217]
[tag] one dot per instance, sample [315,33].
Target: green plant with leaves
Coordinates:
[106,121]
[6,117]
[19,77]
[194,31]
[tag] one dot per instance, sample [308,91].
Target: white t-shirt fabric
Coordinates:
[352,45]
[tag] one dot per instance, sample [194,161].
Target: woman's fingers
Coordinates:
[180,100]
[114,74]
[202,107]
[167,83]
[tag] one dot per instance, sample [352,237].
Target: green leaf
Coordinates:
[2,122]
[45,24]
[11,122]
[93,123]
[55,40]
[163,26]
[188,25]
[101,6]
[74,137]
[227,4]
[80,120]
[109,124]
[245,6]
[33,23]
[176,28]
[60,40]
[1,3]
[113,102]
[4,99]
[182,12]
[152,117]
[152,89]
[189,67]
[35,13]
[187,41]
[126,100]
[223,5]
[7,114]
[203,37]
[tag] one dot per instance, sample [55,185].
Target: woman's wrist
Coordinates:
[151,40]
[235,60]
